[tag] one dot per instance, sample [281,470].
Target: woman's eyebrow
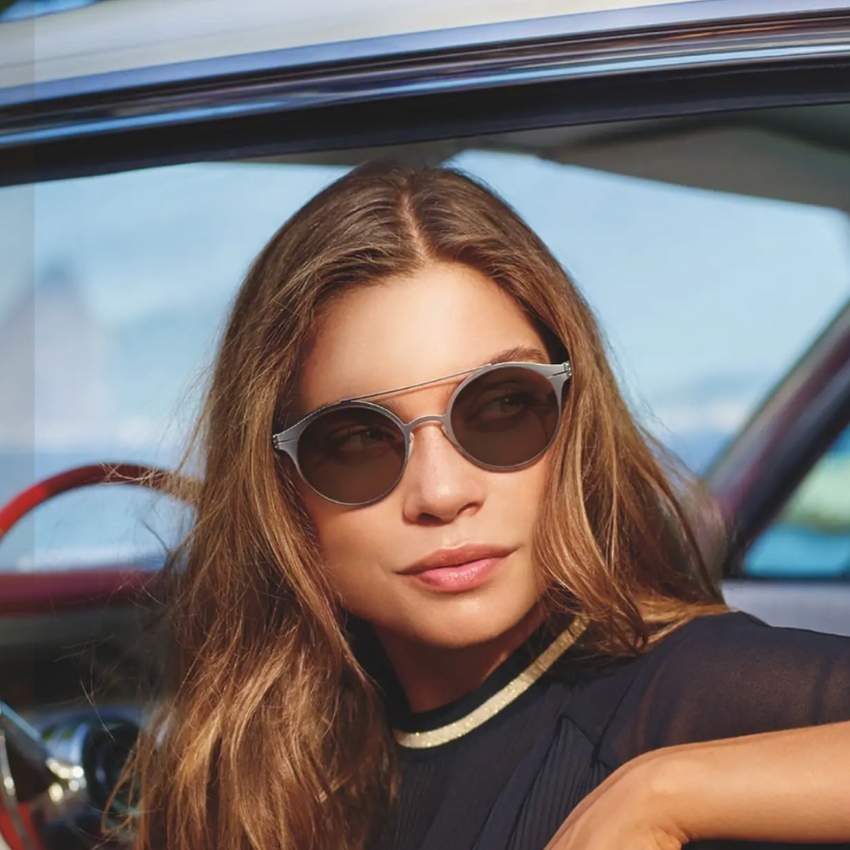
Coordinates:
[519,354]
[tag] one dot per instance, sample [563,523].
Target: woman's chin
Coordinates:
[460,629]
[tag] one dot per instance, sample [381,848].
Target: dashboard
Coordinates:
[79,668]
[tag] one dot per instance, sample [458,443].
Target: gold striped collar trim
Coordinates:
[502,698]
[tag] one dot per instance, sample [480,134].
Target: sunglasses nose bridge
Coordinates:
[415,423]
[411,426]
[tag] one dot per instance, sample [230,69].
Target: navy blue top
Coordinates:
[510,783]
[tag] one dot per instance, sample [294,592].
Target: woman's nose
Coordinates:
[439,483]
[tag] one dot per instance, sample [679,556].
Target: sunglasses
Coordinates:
[500,417]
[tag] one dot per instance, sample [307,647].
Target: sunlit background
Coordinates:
[114,289]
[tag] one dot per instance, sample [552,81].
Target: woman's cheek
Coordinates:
[354,548]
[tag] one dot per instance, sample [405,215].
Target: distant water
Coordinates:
[108,525]
[102,525]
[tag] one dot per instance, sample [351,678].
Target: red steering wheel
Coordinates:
[81,476]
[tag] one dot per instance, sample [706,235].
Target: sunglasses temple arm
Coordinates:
[561,382]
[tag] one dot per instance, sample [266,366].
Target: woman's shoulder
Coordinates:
[718,676]
[737,638]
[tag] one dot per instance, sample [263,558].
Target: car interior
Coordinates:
[713,246]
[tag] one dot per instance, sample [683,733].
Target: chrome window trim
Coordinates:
[713,34]
[634,19]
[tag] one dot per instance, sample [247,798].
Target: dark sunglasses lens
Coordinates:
[353,455]
[506,417]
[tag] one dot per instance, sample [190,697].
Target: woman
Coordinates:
[440,587]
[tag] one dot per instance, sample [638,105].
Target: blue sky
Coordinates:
[705,298]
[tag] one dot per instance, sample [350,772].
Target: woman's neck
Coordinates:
[433,676]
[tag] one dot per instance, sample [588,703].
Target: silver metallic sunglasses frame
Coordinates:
[287,441]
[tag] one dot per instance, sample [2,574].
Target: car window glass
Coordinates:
[116,287]
[811,536]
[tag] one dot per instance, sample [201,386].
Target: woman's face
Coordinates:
[406,330]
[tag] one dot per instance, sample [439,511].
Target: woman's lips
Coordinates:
[461,577]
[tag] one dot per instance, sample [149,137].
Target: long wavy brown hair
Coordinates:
[272,735]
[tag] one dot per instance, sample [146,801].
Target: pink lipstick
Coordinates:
[456,570]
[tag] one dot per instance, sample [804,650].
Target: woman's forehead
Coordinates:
[433,323]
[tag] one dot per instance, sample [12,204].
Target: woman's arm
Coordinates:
[788,786]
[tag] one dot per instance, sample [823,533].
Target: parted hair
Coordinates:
[271,734]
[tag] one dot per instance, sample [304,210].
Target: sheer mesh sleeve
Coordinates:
[725,676]
[730,675]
